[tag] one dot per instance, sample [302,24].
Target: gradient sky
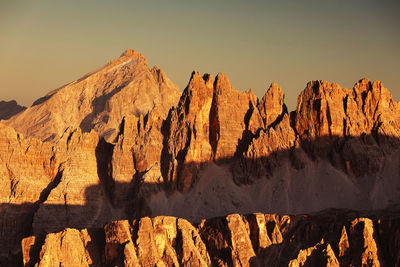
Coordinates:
[45,44]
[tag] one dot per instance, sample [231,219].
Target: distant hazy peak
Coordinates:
[9,109]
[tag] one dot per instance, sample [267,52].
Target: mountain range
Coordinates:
[121,168]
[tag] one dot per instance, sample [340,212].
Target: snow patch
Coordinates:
[122,65]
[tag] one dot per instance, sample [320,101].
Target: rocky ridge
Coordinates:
[99,100]
[339,148]
[329,238]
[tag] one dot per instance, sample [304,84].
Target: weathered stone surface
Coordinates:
[99,100]
[194,251]
[242,250]
[116,156]
[122,163]
[136,158]
[187,133]
[301,240]
[161,241]
[272,105]
[65,248]
[118,239]
[81,188]
[260,152]
[258,232]
[362,234]
[49,187]
[319,255]
[27,167]
[81,173]
[344,245]
[320,110]
[211,123]
[326,109]
[231,109]
[27,245]
[148,147]
[364,119]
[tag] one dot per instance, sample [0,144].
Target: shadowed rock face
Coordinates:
[99,100]
[9,109]
[217,152]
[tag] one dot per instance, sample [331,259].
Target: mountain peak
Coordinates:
[158,74]
[131,53]
[100,99]
[222,82]
[272,104]
[274,87]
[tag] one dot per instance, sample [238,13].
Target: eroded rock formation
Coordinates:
[329,238]
[217,151]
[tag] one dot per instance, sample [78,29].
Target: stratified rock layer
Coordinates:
[329,238]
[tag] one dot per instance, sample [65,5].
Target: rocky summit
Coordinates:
[114,169]
[99,100]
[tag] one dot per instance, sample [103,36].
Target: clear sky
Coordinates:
[45,44]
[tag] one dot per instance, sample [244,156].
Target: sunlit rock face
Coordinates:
[99,100]
[326,109]
[329,238]
[208,124]
[124,146]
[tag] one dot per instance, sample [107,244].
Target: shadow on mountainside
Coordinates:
[368,163]
[99,105]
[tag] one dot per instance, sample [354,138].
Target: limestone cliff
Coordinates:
[328,238]
[115,155]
